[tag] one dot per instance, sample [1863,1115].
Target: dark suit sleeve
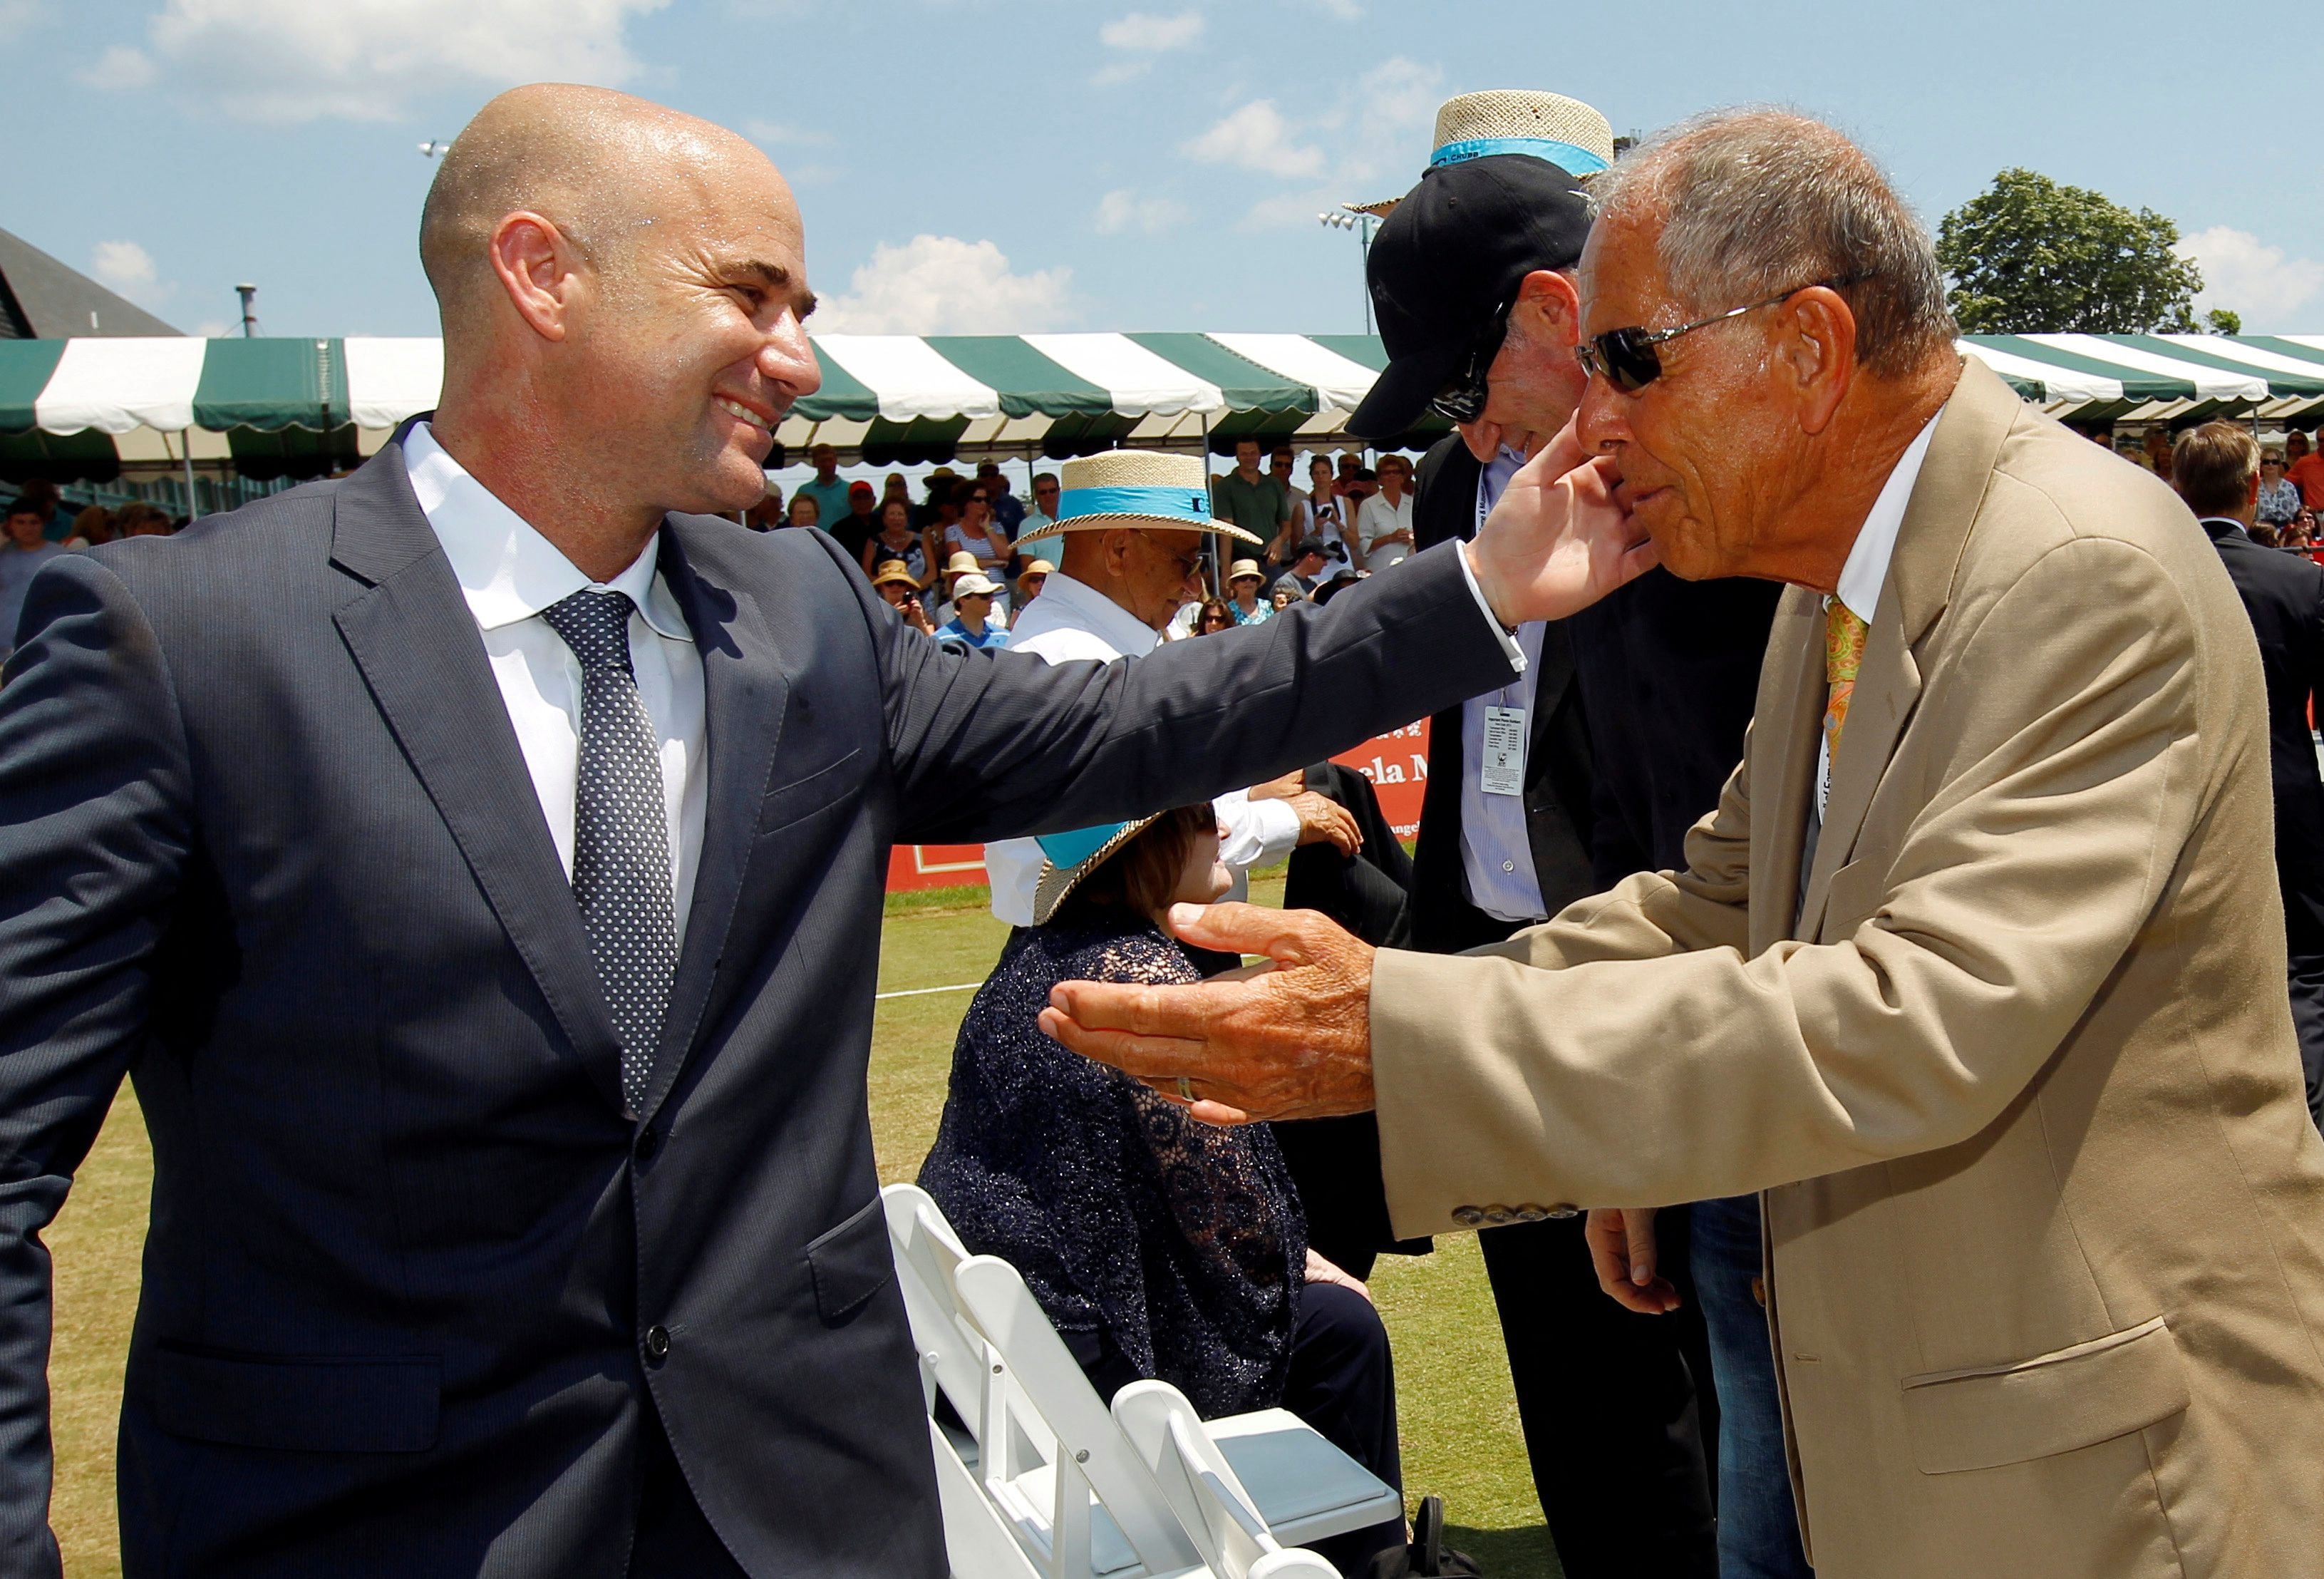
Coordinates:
[94,832]
[988,745]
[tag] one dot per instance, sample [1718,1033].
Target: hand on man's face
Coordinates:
[1557,539]
[1292,1041]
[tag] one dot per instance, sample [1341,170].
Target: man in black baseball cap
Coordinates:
[1631,717]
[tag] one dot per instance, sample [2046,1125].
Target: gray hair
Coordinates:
[1754,202]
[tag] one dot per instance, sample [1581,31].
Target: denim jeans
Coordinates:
[1758,1530]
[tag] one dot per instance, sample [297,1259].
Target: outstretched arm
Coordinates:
[93,834]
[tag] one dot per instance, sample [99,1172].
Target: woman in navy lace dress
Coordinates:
[1159,1246]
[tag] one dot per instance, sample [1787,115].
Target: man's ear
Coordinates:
[538,266]
[1552,307]
[1815,351]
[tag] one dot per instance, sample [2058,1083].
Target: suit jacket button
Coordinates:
[1563,1210]
[1467,1217]
[657,1343]
[1497,1212]
[649,1143]
[1530,1213]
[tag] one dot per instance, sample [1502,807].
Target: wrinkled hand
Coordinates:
[1320,1270]
[1557,542]
[1282,789]
[1622,1251]
[1292,1042]
[1323,820]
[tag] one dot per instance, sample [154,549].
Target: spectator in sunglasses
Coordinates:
[978,533]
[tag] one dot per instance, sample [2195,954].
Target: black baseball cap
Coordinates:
[1450,257]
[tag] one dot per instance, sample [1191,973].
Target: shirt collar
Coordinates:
[2228,521]
[1867,570]
[506,569]
[1065,603]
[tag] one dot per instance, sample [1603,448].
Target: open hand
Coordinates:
[1557,542]
[1324,821]
[1291,1043]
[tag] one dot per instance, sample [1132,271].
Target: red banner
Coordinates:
[1396,763]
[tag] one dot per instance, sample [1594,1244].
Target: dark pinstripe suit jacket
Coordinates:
[267,844]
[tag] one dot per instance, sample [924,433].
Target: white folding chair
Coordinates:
[1203,1488]
[1060,1520]
[1301,1487]
[979,1544]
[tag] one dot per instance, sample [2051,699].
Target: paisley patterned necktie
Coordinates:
[1843,655]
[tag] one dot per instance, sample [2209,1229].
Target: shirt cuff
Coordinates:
[1258,832]
[1509,638]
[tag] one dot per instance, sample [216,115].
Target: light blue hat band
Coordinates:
[1566,156]
[1188,504]
[1068,850]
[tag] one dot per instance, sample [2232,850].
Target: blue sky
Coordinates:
[1006,165]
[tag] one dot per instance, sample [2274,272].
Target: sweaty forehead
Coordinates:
[1621,279]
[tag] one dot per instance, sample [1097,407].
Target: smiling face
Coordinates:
[1709,452]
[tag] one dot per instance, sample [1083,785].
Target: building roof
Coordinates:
[43,300]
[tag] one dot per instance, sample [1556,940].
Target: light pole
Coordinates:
[249,294]
[434,149]
[1364,225]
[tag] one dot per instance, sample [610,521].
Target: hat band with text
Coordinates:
[1566,156]
[1189,505]
[1068,850]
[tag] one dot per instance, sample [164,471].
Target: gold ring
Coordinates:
[1186,1089]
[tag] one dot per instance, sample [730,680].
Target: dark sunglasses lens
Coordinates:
[1631,360]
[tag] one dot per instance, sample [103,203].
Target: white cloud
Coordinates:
[367,60]
[120,67]
[1341,9]
[1257,137]
[780,132]
[942,285]
[1122,209]
[127,268]
[1150,34]
[215,328]
[2246,275]
[1398,92]
[20,15]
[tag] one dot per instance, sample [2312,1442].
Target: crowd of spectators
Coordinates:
[2291,503]
[38,528]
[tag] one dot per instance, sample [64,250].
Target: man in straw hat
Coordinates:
[477,860]
[1129,529]
[1976,972]
[1472,279]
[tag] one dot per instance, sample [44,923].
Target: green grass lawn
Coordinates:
[1460,1424]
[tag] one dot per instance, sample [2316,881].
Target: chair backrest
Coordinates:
[926,1250]
[977,1540]
[1089,1448]
[1202,1486]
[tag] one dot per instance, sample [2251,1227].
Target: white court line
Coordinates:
[915,991]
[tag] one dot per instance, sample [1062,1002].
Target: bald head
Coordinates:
[603,167]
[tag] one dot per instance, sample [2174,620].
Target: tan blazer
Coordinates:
[2044,1208]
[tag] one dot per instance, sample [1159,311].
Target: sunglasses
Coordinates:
[1627,358]
[1462,398]
[1186,563]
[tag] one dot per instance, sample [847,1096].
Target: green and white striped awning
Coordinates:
[295,407]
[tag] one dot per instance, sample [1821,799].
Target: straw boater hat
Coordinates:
[963,563]
[1138,487]
[894,570]
[1037,567]
[1241,569]
[1068,857]
[1549,127]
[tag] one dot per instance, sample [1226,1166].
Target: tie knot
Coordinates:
[595,625]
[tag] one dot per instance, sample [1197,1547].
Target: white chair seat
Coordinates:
[1304,1487]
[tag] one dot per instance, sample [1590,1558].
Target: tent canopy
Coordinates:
[88,407]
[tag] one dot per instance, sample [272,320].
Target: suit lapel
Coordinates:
[1946,497]
[410,634]
[745,694]
[1786,723]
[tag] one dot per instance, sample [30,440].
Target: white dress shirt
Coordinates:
[509,573]
[1866,569]
[1375,518]
[1496,852]
[1071,621]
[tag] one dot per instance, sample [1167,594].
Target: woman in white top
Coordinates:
[976,532]
[1322,513]
[1384,524]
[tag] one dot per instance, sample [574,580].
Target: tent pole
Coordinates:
[193,501]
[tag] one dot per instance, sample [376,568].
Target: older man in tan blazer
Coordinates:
[1976,970]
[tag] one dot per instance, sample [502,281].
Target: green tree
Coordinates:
[2029,256]
[2223,321]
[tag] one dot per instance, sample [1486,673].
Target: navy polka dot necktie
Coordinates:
[620,836]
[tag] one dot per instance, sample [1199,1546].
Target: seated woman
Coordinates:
[1159,1246]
